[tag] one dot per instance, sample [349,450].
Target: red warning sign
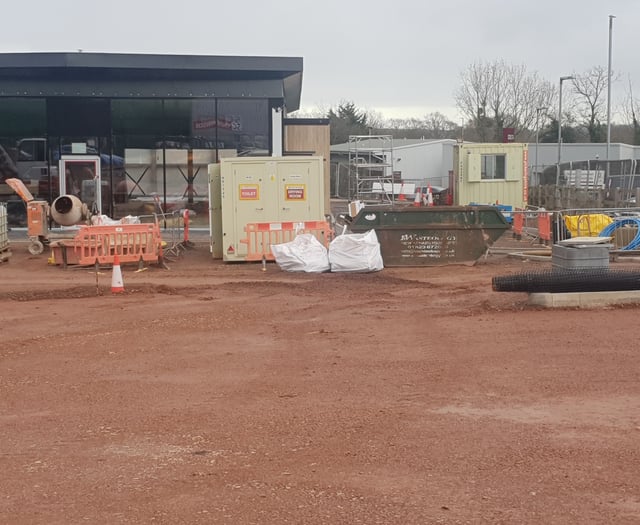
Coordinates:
[295,192]
[249,192]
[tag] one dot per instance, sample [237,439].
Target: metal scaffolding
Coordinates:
[371,164]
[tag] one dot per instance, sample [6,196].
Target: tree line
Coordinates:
[493,96]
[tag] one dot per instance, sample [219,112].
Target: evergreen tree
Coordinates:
[347,120]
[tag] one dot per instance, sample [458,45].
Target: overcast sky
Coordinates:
[399,58]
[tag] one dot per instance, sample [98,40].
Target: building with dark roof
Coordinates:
[154,121]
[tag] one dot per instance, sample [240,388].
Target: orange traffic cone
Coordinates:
[117,286]
[429,196]
[402,197]
[418,200]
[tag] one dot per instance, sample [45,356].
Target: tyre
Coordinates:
[36,248]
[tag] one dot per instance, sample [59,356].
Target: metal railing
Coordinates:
[174,227]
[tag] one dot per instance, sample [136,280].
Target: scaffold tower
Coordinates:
[371,165]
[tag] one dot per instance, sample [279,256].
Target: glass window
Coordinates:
[177,117]
[137,117]
[493,167]
[166,170]
[243,127]
[204,124]
[78,116]
[33,166]
[23,117]
[34,149]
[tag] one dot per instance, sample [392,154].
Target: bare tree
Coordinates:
[434,125]
[631,112]
[590,89]
[438,126]
[473,96]
[497,95]
[375,120]
[412,123]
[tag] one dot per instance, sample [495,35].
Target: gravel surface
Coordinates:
[216,393]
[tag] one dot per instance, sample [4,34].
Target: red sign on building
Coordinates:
[508,135]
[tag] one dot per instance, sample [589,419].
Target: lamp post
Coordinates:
[611,17]
[562,79]
[538,110]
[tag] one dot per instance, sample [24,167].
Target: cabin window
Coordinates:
[493,167]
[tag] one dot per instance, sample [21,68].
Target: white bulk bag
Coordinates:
[305,253]
[355,252]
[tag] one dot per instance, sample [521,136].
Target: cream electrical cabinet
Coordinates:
[266,191]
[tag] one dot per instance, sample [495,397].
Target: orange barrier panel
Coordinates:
[544,226]
[185,218]
[261,235]
[131,242]
[518,223]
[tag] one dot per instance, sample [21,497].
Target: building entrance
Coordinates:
[81,177]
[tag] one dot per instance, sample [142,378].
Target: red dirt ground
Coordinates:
[213,393]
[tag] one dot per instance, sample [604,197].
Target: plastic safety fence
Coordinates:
[534,223]
[131,242]
[261,235]
[563,281]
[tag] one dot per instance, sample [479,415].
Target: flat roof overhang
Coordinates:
[139,75]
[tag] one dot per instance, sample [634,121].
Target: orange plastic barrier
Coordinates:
[131,242]
[261,235]
[185,218]
[544,226]
[518,223]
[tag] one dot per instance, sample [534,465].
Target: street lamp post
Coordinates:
[611,17]
[538,110]
[562,79]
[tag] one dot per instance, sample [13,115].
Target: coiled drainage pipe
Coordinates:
[563,281]
[608,231]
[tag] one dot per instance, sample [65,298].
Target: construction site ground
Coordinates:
[219,393]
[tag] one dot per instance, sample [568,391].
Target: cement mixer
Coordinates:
[69,210]
[66,210]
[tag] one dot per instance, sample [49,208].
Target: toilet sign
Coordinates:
[249,192]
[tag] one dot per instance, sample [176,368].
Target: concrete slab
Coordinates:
[584,299]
